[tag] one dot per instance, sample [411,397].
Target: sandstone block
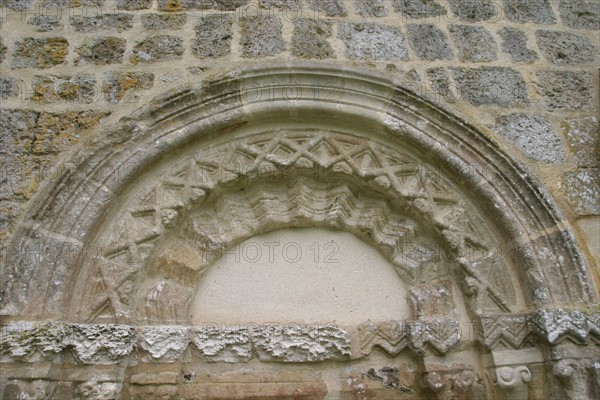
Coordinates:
[40,53]
[309,39]
[102,50]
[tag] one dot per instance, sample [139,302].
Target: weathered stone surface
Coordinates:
[3,49]
[16,4]
[568,90]
[9,212]
[491,85]
[40,53]
[120,85]
[153,379]
[583,138]
[514,331]
[301,344]
[178,5]
[429,42]
[583,191]
[329,8]
[534,135]
[223,344]
[102,50]
[133,5]
[538,11]
[45,23]
[102,344]
[565,47]
[475,10]
[29,341]
[163,21]
[9,87]
[280,4]
[164,343]
[370,8]
[17,127]
[373,41]
[475,44]
[309,39]
[213,36]
[432,300]
[261,36]
[94,390]
[419,8]
[557,325]
[580,14]
[440,82]
[514,42]
[119,22]
[158,48]
[80,88]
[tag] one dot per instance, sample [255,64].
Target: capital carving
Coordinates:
[450,384]
[510,382]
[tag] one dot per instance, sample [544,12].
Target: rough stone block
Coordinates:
[280,4]
[3,49]
[419,8]
[475,44]
[309,39]
[120,85]
[163,21]
[374,41]
[514,43]
[45,23]
[102,344]
[330,8]
[9,213]
[158,48]
[534,135]
[213,36]
[565,48]
[17,127]
[179,5]
[261,36]
[568,90]
[40,53]
[164,343]
[580,14]
[132,5]
[583,138]
[429,42]
[538,11]
[80,88]
[440,82]
[370,8]
[219,344]
[118,22]
[16,4]
[102,50]
[583,191]
[9,87]
[491,85]
[475,10]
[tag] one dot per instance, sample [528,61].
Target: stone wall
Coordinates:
[524,73]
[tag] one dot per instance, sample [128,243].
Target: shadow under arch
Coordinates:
[69,211]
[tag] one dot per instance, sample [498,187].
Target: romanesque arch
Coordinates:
[143,209]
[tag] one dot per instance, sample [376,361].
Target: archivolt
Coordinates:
[72,211]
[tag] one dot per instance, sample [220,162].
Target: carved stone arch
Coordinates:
[144,201]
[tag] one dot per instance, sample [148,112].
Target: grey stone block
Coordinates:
[429,42]
[475,10]
[534,135]
[213,36]
[17,127]
[163,21]
[118,22]
[565,48]
[309,39]
[9,87]
[102,50]
[568,90]
[261,36]
[419,8]
[158,48]
[46,23]
[514,43]
[370,8]
[538,11]
[132,5]
[580,14]
[380,42]
[475,44]
[440,82]
[491,85]
[40,53]
[280,4]
[583,191]
[3,49]
[583,138]
[329,8]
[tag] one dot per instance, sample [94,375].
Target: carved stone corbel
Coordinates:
[510,383]
[451,381]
